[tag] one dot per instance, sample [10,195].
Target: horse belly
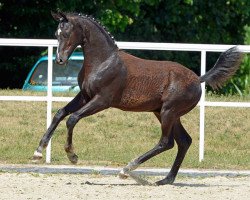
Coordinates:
[143,95]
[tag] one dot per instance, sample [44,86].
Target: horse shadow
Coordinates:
[136,184]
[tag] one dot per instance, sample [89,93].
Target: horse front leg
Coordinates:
[93,106]
[72,106]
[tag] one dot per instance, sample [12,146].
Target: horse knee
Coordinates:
[60,112]
[163,146]
[71,122]
[60,115]
[169,145]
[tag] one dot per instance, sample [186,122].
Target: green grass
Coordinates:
[114,137]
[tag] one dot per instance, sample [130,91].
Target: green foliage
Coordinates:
[242,81]
[180,21]
[115,20]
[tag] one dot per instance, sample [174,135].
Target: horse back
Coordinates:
[148,82]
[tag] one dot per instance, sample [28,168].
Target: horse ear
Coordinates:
[56,16]
[59,16]
[63,16]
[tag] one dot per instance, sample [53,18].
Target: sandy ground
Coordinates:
[75,186]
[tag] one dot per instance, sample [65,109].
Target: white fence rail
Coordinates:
[203,48]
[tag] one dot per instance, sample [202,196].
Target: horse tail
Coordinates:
[225,67]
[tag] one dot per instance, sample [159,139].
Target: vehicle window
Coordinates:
[62,74]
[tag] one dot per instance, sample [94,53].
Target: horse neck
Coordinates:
[98,46]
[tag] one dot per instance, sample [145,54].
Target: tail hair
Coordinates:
[225,67]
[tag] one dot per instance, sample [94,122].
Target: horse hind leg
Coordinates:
[183,141]
[167,118]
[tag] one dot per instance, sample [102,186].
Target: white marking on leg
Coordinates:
[38,154]
[132,166]
[122,175]
[127,171]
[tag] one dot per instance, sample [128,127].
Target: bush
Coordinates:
[241,82]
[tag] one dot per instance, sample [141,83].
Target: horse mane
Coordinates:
[96,22]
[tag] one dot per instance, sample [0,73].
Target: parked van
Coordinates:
[64,77]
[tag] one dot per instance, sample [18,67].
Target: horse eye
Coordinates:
[66,26]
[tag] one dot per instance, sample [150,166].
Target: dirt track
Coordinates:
[68,186]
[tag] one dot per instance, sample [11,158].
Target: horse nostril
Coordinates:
[59,61]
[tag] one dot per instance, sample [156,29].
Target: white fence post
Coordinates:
[49,98]
[202,108]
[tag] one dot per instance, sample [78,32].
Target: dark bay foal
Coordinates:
[113,78]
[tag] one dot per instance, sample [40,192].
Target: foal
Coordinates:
[112,78]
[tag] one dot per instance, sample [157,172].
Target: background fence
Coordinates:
[49,98]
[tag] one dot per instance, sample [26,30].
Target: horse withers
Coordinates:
[113,78]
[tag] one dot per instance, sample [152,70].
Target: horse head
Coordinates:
[68,35]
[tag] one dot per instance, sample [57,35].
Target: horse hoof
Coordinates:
[37,157]
[73,158]
[122,175]
[166,181]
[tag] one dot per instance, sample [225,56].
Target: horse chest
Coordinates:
[91,85]
[100,77]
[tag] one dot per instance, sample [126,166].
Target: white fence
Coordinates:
[203,48]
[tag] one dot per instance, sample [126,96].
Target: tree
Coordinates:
[182,21]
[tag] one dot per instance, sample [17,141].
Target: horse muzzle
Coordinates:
[61,61]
